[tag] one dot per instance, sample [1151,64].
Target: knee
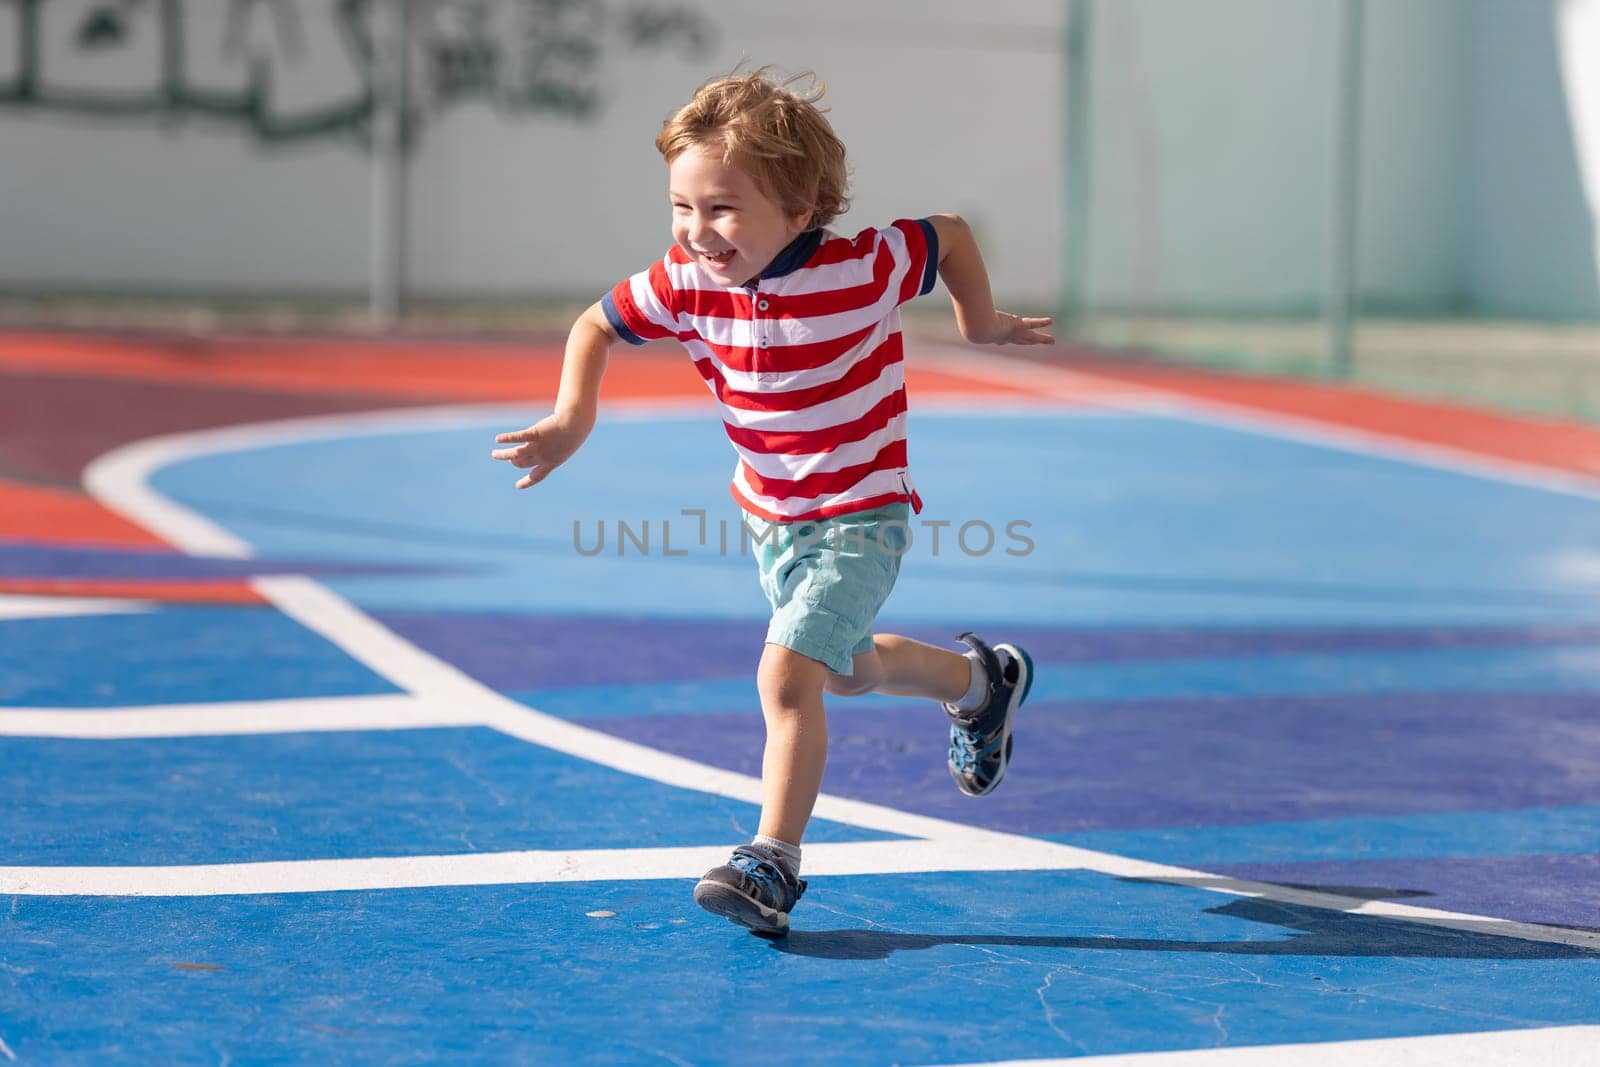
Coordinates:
[788,682]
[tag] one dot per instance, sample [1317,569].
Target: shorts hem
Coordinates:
[824,652]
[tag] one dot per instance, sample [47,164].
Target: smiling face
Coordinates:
[723,219]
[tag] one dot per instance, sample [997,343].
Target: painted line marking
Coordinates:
[397,711]
[995,853]
[18,606]
[499,868]
[120,480]
[1572,1045]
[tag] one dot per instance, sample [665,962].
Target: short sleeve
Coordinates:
[906,259]
[644,307]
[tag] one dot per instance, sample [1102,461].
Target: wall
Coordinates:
[943,109]
[1528,232]
[1213,144]
[1211,151]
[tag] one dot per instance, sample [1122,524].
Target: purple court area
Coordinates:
[1084,767]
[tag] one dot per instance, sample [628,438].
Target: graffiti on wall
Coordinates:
[303,70]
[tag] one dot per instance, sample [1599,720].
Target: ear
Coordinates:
[800,221]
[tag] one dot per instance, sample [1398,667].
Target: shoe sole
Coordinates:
[728,902]
[1025,662]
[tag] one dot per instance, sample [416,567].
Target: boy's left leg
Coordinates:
[907,668]
[981,720]
[980,690]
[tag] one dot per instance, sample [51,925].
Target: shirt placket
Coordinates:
[761,305]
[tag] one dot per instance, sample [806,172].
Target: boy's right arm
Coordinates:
[551,441]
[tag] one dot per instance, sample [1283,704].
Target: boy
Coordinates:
[797,332]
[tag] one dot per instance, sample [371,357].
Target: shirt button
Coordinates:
[763,305]
[763,342]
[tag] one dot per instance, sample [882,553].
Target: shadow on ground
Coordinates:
[1315,932]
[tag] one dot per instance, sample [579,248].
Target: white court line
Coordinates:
[15,606]
[1557,1046]
[990,852]
[120,481]
[120,478]
[491,868]
[395,711]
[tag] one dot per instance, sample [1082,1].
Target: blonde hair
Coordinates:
[777,136]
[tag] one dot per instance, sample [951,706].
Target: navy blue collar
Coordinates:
[792,258]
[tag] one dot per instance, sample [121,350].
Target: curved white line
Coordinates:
[119,479]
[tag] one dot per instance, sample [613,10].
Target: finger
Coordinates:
[534,477]
[517,457]
[517,436]
[1034,324]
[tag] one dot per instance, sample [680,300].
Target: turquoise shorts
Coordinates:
[826,579]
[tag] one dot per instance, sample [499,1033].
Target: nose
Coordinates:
[698,229]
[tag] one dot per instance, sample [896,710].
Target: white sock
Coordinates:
[789,854]
[978,690]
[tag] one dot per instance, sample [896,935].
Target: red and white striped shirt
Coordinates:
[806,361]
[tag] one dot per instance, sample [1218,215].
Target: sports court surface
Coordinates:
[320,743]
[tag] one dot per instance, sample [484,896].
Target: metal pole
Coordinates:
[387,260]
[1075,239]
[1344,204]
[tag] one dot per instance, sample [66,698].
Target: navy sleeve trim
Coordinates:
[614,317]
[930,271]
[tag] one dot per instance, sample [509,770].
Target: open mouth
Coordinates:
[718,260]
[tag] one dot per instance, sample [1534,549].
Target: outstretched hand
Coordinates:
[540,449]
[1009,329]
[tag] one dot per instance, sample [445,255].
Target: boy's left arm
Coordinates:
[962,271]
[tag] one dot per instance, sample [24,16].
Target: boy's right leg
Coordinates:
[759,884]
[790,686]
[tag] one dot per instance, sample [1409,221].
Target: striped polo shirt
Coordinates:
[806,361]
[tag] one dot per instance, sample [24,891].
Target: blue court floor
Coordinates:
[1313,756]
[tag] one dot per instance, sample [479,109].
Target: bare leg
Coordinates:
[797,741]
[902,667]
